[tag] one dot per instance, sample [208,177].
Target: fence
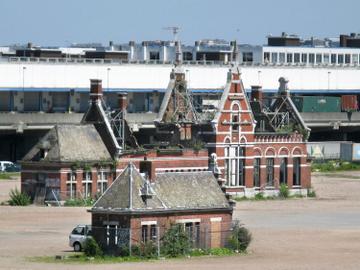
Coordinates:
[153,241]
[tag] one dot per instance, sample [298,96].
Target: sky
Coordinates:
[63,22]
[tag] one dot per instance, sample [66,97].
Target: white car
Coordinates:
[78,237]
[3,165]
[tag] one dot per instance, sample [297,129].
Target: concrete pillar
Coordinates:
[163,55]
[144,51]
[276,172]
[132,50]
[290,173]
[19,101]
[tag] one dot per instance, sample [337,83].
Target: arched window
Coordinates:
[235,117]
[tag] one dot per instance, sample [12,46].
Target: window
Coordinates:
[154,56]
[283,171]
[257,162]
[289,58]
[311,58]
[87,184]
[227,165]
[192,229]
[247,57]
[266,57]
[71,185]
[153,232]
[297,57]
[270,171]
[347,58]
[102,182]
[333,58]
[241,166]
[355,59]
[326,58]
[304,58]
[235,118]
[235,122]
[296,171]
[282,57]
[318,58]
[340,59]
[144,233]
[235,166]
[274,57]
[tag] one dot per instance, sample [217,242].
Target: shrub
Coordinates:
[311,193]
[18,198]
[240,238]
[284,191]
[79,202]
[146,250]
[175,242]
[259,196]
[91,248]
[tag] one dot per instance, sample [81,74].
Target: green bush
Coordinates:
[145,250]
[284,191]
[259,196]
[19,199]
[91,248]
[79,202]
[175,242]
[240,238]
[311,193]
[220,251]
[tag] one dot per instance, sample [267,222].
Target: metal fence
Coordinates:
[153,241]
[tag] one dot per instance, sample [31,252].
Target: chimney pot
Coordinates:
[96,91]
[256,93]
[122,97]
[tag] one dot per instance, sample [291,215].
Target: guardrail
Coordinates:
[161,62]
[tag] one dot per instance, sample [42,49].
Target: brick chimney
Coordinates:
[256,93]
[96,91]
[122,98]
[148,168]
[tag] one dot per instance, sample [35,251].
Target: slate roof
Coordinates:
[70,143]
[174,191]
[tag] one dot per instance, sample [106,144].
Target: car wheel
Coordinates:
[77,247]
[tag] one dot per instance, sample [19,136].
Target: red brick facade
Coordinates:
[237,146]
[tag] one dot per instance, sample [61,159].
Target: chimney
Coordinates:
[29,45]
[96,91]
[283,88]
[148,168]
[111,45]
[257,93]
[122,97]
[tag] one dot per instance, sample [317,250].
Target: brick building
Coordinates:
[137,209]
[258,143]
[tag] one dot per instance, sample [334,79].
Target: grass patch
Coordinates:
[83,259]
[9,175]
[334,165]
[79,202]
[260,197]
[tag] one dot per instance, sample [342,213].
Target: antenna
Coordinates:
[175,30]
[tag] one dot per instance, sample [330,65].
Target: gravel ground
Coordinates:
[322,233]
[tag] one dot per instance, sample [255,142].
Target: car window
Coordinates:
[78,230]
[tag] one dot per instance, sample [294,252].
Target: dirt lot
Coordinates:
[322,233]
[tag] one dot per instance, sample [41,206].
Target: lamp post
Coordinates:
[23,78]
[108,73]
[259,74]
[329,73]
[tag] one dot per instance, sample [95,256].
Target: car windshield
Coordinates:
[78,230]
